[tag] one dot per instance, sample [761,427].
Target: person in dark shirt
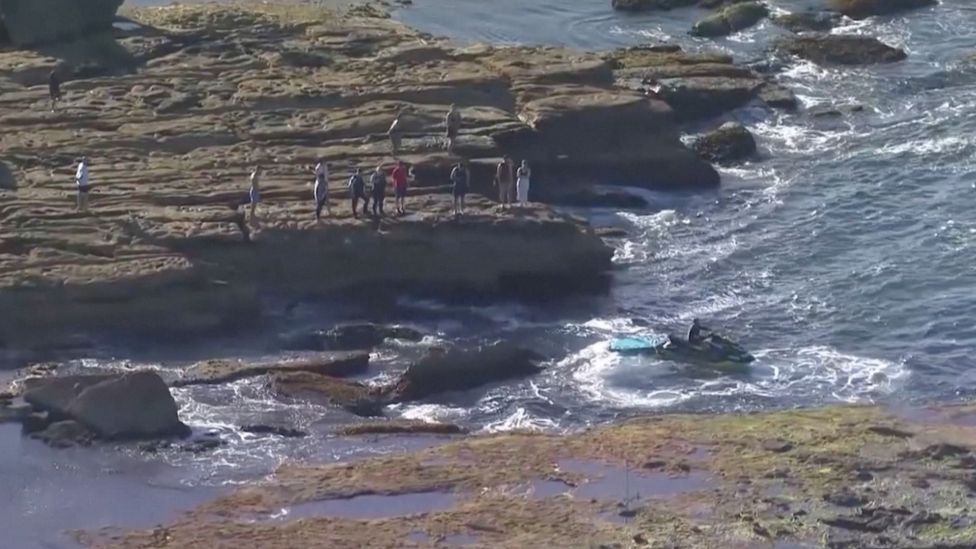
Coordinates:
[377,183]
[505,181]
[357,189]
[54,89]
[459,187]
[695,332]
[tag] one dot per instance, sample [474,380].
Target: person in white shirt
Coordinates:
[81,181]
[396,134]
[522,184]
[254,194]
[321,190]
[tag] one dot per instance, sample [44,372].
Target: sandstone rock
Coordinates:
[29,22]
[55,394]
[778,97]
[348,337]
[132,405]
[464,369]
[730,142]
[817,21]
[222,371]
[838,49]
[401,427]
[351,396]
[860,9]
[731,19]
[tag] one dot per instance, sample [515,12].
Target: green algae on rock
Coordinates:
[745,480]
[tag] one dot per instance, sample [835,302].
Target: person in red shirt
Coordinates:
[399,176]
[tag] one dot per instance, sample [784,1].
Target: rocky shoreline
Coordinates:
[174,112]
[842,477]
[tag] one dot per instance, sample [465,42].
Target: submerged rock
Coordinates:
[817,21]
[348,337]
[842,49]
[30,22]
[65,434]
[731,19]
[401,427]
[278,430]
[729,143]
[860,9]
[650,5]
[464,369]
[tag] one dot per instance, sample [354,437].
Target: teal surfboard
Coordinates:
[632,345]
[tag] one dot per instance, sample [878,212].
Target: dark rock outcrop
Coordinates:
[840,49]
[64,434]
[30,22]
[278,430]
[729,143]
[463,369]
[348,337]
[731,19]
[132,405]
[861,9]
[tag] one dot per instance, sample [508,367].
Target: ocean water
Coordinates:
[843,258]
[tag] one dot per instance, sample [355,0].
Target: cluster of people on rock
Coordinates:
[512,183]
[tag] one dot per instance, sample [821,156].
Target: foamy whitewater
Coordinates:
[843,259]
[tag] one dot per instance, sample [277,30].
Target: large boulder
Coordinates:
[348,337]
[734,18]
[841,49]
[729,143]
[860,9]
[116,406]
[464,369]
[30,22]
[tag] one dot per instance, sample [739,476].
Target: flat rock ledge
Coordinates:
[832,477]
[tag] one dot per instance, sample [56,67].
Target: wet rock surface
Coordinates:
[841,484]
[730,142]
[32,22]
[337,364]
[735,17]
[460,369]
[841,49]
[348,337]
[860,9]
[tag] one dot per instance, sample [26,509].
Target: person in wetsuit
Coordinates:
[695,332]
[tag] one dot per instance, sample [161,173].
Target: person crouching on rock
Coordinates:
[357,188]
[254,193]
[505,181]
[459,187]
[400,178]
[377,183]
[524,174]
[81,181]
[321,189]
[453,125]
[54,89]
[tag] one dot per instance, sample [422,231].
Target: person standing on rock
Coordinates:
[400,178]
[84,187]
[459,187]
[357,189]
[321,190]
[522,185]
[453,125]
[377,183]
[254,193]
[396,134]
[54,89]
[505,181]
